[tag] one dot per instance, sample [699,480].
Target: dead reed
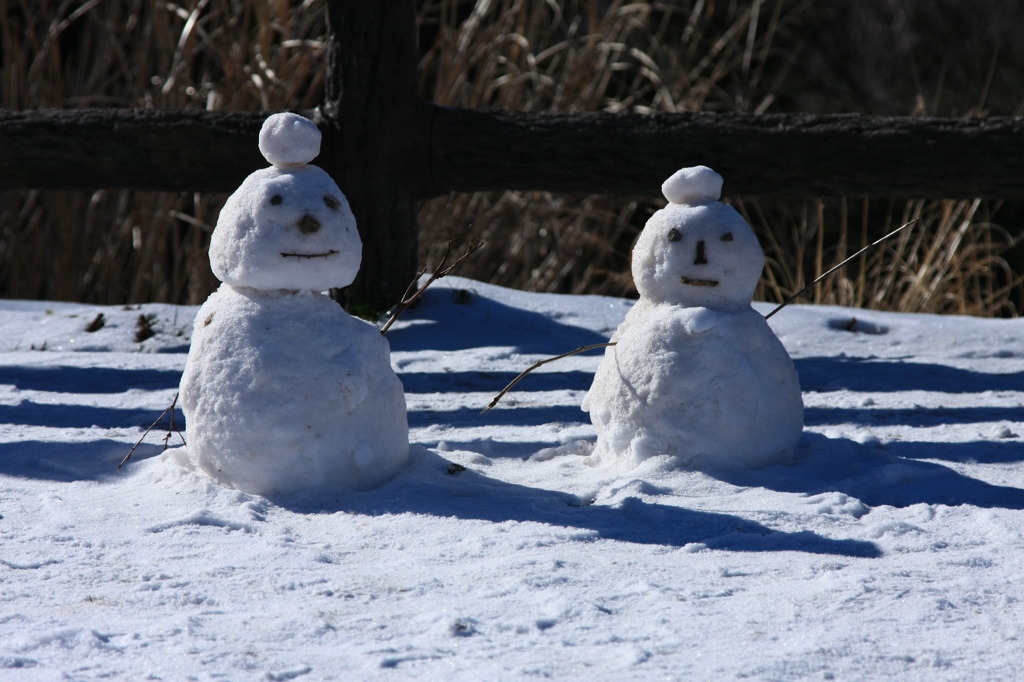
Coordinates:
[534,55]
[951,261]
[122,246]
[683,56]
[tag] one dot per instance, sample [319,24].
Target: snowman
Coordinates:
[695,373]
[283,391]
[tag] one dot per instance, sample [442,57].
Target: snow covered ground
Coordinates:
[893,547]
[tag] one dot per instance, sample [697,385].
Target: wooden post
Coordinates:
[376,138]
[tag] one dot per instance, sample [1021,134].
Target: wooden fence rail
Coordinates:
[389,150]
[468,151]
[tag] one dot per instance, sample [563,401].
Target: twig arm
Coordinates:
[439,272]
[836,267]
[151,426]
[541,363]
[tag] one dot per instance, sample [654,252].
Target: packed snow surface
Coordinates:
[287,139]
[286,391]
[695,373]
[714,390]
[693,185]
[287,226]
[890,548]
[283,390]
[286,230]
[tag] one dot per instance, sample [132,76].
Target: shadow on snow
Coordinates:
[72,379]
[430,487]
[30,413]
[491,382]
[880,475]
[94,460]
[911,416]
[441,323]
[468,417]
[872,375]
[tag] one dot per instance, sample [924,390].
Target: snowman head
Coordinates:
[287,226]
[697,251]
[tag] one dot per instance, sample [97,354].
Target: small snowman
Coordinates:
[696,373]
[284,391]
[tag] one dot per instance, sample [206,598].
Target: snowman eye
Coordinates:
[674,235]
[276,199]
[727,237]
[331,202]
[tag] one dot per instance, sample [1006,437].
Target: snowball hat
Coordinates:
[697,185]
[288,140]
[287,227]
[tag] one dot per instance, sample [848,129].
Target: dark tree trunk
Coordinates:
[377,138]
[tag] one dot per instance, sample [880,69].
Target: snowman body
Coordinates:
[283,391]
[695,373]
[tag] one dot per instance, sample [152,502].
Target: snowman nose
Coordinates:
[308,224]
[700,259]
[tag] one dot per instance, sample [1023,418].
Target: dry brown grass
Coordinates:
[532,55]
[542,56]
[680,56]
[950,260]
[121,246]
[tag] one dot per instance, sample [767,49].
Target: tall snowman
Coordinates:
[696,373]
[283,391]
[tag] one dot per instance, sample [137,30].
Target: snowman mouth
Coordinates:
[699,282]
[309,255]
